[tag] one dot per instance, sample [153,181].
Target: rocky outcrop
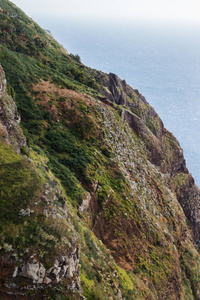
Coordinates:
[163,150]
[9,117]
[20,273]
[116,89]
[64,267]
[152,142]
[169,160]
[49,32]
[32,275]
[188,195]
[85,203]
[2,81]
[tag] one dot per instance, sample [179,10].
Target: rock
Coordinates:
[86,203]
[15,272]
[95,186]
[49,32]
[41,274]
[65,266]
[25,212]
[47,280]
[117,89]
[119,294]
[9,116]
[2,81]
[114,91]
[31,271]
[9,248]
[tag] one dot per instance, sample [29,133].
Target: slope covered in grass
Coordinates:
[100,202]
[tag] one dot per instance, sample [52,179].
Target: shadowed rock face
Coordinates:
[151,141]
[157,146]
[117,89]
[189,197]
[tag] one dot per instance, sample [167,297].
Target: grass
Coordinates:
[19,185]
[67,135]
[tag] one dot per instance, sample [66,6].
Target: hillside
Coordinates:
[96,200]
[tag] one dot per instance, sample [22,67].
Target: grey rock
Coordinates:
[34,271]
[65,266]
[15,272]
[25,212]
[85,203]
[47,280]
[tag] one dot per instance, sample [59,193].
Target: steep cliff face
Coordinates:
[101,206]
[164,150]
[25,201]
[41,237]
[9,117]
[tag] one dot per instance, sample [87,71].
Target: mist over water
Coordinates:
[162,62]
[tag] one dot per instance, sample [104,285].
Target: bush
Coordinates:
[11,91]
[75,157]
[70,183]
[76,57]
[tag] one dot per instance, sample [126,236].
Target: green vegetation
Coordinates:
[78,147]
[19,185]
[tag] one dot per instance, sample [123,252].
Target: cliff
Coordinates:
[96,200]
[9,117]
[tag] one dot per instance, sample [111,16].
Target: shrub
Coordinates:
[75,56]
[11,91]
[70,183]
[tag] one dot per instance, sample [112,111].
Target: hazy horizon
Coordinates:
[175,12]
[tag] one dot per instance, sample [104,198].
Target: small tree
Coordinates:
[76,57]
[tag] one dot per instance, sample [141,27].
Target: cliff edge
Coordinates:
[96,199]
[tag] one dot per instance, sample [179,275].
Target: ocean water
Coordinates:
[161,61]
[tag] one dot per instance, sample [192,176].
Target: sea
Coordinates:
[161,60]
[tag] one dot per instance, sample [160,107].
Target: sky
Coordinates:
[179,11]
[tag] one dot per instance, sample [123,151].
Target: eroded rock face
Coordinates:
[33,275]
[117,89]
[25,271]
[164,151]
[188,195]
[64,267]
[9,117]
[33,271]
[85,203]
[169,161]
